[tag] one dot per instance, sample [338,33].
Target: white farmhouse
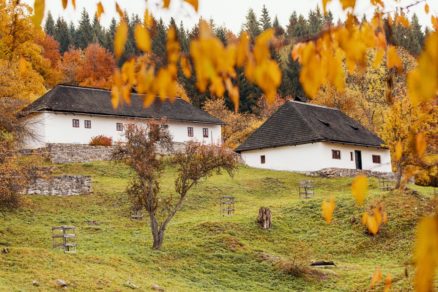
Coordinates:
[73,115]
[306,137]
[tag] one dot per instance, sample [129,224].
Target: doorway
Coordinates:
[358,159]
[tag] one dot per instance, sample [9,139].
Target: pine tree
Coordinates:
[72,35]
[265,19]
[62,34]
[290,29]
[315,21]
[98,32]
[49,26]
[159,43]
[416,37]
[301,29]
[183,38]
[221,33]
[279,30]
[328,20]
[252,26]
[109,36]
[131,48]
[85,31]
[292,72]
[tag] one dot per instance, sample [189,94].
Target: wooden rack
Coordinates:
[64,237]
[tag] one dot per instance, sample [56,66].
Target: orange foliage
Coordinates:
[50,49]
[92,67]
[71,61]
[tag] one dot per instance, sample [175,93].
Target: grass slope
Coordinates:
[202,249]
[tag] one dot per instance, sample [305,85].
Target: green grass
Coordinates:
[203,250]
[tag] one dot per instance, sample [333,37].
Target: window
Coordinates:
[87,124]
[351,156]
[336,154]
[190,131]
[119,126]
[262,159]
[205,132]
[75,123]
[376,159]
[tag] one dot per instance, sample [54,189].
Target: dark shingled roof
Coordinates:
[297,123]
[88,100]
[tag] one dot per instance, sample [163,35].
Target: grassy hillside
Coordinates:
[203,250]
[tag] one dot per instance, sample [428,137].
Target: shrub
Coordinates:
[101,140]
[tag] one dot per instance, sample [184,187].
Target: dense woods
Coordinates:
[74,41]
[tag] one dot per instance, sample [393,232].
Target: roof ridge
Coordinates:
[315,105]
[308,124]
[103,89]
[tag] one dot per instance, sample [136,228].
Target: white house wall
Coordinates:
[316,156]
[58,128]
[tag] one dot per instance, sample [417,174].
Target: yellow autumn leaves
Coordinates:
[213,63]
[426,253]
[377,277]
[423,80]
[373,219]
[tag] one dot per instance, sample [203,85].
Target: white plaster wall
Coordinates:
[58,128]
[36,126]
[316,156]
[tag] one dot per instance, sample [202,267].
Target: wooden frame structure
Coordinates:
[385,184]
[306,189]
[64,237]
[227,205]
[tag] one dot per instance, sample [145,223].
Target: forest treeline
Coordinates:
[86,49]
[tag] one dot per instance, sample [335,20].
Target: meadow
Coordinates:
[204,250]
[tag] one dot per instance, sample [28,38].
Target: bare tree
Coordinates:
[16,172]
[142,152]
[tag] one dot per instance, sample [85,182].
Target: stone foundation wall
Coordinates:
[79,153]
[343,172]
[69,153]
[65,185]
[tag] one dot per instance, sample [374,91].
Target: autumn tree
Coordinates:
[96,67]
[16,172]
[71,63]
[23,67]
[411,153]
[238,126]
[194,163]
[51,52]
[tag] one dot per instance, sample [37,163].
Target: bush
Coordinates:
[101,141]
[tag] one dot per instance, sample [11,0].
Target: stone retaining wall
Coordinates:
[343,172]
[69,153]
[65,185]
[79,153]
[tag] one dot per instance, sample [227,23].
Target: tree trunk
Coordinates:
[398,177]
[158,240]
[264,219]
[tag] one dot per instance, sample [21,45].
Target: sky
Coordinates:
[230,13]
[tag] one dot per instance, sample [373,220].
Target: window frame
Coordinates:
[205,132]
[336,154]
[76,123]
[377,159]
[190,132]
[87,124]
[262,159]
[119,127]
